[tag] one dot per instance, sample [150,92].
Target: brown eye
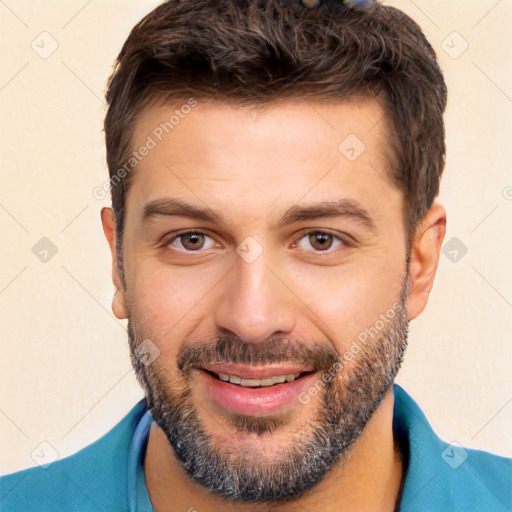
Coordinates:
[191,241]
[320,241]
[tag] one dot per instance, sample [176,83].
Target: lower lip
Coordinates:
[254,401]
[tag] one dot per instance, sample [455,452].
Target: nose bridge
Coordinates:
[255,303]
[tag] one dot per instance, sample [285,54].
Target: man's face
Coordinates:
[264,289]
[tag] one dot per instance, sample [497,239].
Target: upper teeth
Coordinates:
[278,379]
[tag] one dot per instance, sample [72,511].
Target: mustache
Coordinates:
[231,349]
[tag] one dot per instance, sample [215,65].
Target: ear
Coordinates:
[424,258]
[109,228]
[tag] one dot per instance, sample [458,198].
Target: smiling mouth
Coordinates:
[250,390]
[275,380]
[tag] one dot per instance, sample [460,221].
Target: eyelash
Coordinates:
[343,242]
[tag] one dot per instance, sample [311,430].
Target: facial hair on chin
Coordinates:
[347,404]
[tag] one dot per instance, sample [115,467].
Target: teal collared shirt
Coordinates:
[108,475]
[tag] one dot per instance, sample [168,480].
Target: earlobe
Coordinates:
[119,305]
[424,259]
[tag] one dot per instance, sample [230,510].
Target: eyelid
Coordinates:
[346,241]
[169,240]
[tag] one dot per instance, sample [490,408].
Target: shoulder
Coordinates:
[94,478]
[471,480]
[447,476]
[492,471]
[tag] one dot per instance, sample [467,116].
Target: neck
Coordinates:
[369,478]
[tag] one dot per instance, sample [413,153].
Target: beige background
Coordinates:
[65,372]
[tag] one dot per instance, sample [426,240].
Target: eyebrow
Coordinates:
[338,208]
[176,207]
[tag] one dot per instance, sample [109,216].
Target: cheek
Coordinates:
[344,301]
[167,303]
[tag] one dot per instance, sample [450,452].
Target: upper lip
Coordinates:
[255,372]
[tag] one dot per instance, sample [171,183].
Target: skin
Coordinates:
[249,167]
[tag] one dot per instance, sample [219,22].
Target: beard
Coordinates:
[344,407]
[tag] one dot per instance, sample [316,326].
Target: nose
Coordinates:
[255,303]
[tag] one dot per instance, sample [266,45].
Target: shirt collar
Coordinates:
[420,446]
[138,497]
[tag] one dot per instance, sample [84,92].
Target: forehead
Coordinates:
[264,157]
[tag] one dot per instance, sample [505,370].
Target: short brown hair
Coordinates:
[260,51]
